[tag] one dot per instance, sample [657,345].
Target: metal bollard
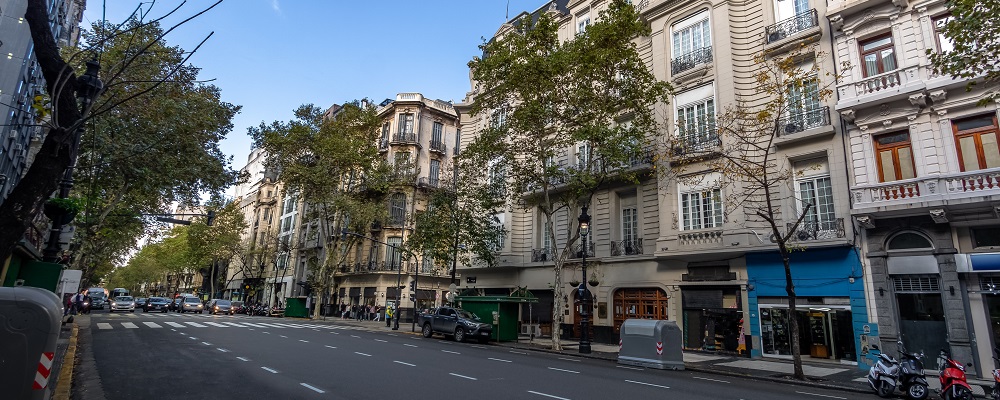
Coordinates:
[30,320]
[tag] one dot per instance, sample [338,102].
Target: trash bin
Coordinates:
[651,343]
[30,319]
[296,307]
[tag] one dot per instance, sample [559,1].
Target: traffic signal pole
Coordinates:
[416,274]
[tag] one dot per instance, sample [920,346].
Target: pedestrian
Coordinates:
[371,313]
[378,309]
[389,310]
[78,303]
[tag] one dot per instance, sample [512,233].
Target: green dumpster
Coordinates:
[501,311]
[296,307]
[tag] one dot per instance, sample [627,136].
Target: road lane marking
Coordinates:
[303,341]
[517,352]
[547,395]
[286,337]
[463,376]
[452,352]
[254,325]
[103,325]
[649,384]
[478,347]
[173,330]
[192,338]
[216,324]
[564,370]
[129,325]
[242,358]
[222,350]
[392,334]
[235,324]
[267,333]
[631,368]
[400,362]
[366,355]
[710,379]
[152,324]
[206,343]
[175,325]
[497,359]
[380,340]
[269,370]
[822,395]
[411,345]
[356,336]
[182,333]
[196,325]
[313,388]
[332,347]
[568,359]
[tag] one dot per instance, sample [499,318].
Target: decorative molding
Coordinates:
[887,123]
[939,216]
[918,100]
[911,117]
[996,210]
[837,22]
[866,221]
[937,96]
[884,109]
[848,115]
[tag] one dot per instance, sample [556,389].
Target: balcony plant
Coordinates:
[62,210]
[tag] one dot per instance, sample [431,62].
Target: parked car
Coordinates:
[455,322]
[140,302]
[220,306]
[156,304]
[175,303]
[238,307]
[192,304]
[122,303]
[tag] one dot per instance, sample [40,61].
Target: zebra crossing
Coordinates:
[201,323]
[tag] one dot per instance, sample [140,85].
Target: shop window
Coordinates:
[976,139]
[909,241]
[986,237]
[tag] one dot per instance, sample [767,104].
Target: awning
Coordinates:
[355,292]
[369,292]
[978,262]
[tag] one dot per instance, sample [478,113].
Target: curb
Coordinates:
[715,372]
[65,384]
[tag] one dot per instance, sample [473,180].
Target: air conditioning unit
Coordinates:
[18,147]
[13,134]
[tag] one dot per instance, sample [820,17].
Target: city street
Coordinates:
[193,356]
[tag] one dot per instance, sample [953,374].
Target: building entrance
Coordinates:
[824,332]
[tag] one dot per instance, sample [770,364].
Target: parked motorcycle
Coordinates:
[953,382]
[995,392]
[907,374]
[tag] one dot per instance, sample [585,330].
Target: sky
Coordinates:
[271,56]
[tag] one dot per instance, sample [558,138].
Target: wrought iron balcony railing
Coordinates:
[703,140]
[626,247]
[809,119]
[819,230]
[428,182]
[404,137]
[438,146]
[383,145]
[578,250]
[800,22]
[690,60]
[541,255]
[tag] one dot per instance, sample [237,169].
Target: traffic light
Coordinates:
[247,287]
[411,286]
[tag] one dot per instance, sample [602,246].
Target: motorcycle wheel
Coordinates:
[885,389]
[995,393]
[963,394]
[917,391]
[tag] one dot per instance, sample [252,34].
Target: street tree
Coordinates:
[973,34]
[213,248]
[179,123]
[332,162]
[757,181]
[591,93]
[63,116]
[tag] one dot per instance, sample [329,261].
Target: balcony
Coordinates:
[877,83]
[704,140]
[897,84]
[383,145]
[802,27]
[700,238]
[438,147]
[645,157]
[404,138]
[578,250]
[428,182]
[626,247]
[541,255]
[804,125]
[690,60]
[405,176]
[395,220]
[367,267]
[818,230]
[957,188]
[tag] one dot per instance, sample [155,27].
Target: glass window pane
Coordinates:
[871,64]
[906,163]
[970,158]
[888,167]
[706,34]
[991,152]
[876,43]
[888,60]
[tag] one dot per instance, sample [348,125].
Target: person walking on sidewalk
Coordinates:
[389,310]
[377,309]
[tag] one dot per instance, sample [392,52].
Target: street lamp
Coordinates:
[399,272]
[88,86]
[582,293]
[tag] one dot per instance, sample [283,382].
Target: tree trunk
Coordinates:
[793,317]
[557,306]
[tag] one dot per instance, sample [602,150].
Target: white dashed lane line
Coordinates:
[206,343]
[363,354]
[356,336]
[564,370]
[547,395]
[518,352]
[286,337]
[452,352]
[242,358]
[303,341]
[411,345]
[463,376]
[647,384]
[269,370]
[404,363]
[822,395]
[497,359]
[568,359]
[313,388]
[222,350]
[332,347]
[710,379]
[380,340]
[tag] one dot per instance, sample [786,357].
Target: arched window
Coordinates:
[909,241]
[397,209]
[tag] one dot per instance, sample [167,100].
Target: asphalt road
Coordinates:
[191,356]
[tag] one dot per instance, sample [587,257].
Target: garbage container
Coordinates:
[296,307]
[651,343]
[30,319]
[500,311]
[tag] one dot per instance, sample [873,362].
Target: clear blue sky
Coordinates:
[270,56]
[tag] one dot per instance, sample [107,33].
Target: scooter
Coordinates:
[883,376]
[953,383]
[911,373]
[995,392]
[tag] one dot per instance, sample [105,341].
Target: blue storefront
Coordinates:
[831,304]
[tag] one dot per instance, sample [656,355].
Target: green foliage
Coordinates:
[70,205]
[974,32]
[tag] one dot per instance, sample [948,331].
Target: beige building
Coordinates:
[668,248]
[925,180]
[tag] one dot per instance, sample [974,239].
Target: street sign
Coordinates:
[470,279]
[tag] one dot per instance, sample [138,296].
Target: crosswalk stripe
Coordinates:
[152,324]
[217,324]
[271,325]
[235,324]
[253,325]
[175,325]
[103,325]
[196,325]
[129,325]
[287,325]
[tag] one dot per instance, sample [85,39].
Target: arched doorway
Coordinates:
[641,303]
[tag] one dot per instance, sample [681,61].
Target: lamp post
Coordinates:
[88,86]
[582,293]
[399,273]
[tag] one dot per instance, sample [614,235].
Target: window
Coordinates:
[435,172]
[804,98]
[814,189]
[385,131]
[497,227]
[497,179]
[894,157]
[402,162]
[877,56]
[986,237]
[393,258]
[436,133]
[692,35]
[458,141]
[428,263]
[583,153]
[696,123]
[976,138]
[405,124]
[582,22]
[944,44]
[700,210]
[909,241]
[630,220]
[397,209]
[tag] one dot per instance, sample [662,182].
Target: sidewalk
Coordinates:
[821,374]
